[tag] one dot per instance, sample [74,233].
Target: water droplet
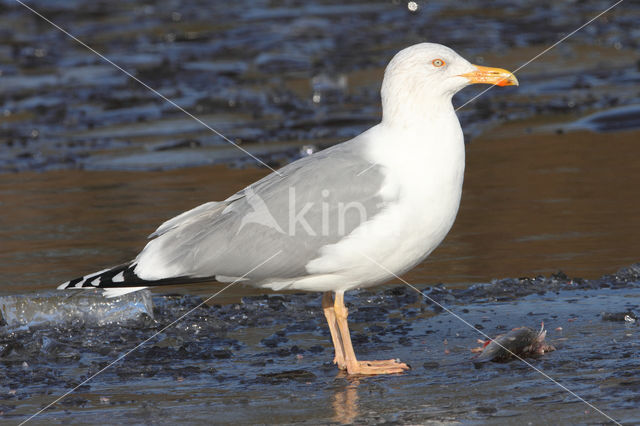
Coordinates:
[308,150]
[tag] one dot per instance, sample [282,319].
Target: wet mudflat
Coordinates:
[267,359]
[276,77]
[91,163]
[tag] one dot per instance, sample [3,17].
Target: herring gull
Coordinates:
[351,216]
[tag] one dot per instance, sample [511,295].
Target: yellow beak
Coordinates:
[488,75]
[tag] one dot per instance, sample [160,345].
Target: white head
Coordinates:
[421,80]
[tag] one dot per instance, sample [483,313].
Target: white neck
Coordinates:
[413,105]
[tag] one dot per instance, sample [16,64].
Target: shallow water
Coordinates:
[91,163]
[267,359]
[532,204]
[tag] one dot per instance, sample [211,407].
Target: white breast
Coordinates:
[423,184]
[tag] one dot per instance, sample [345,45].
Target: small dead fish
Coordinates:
[522,341]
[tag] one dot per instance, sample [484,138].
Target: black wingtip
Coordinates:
[100,279]
[124,276]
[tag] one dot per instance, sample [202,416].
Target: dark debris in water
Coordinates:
[520,342]
[514,288]
[210,333]
[628,316]
[281,341]
[285,376]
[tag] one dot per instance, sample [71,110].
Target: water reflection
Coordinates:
[345,403]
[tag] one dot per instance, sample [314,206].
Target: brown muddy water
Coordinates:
[533,203]
[91,163]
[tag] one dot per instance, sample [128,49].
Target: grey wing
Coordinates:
[312,202]
[188,216]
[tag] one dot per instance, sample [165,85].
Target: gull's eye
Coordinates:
[437,62]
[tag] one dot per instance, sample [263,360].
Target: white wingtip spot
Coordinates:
[95,282]
[119,278]
[64,285]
